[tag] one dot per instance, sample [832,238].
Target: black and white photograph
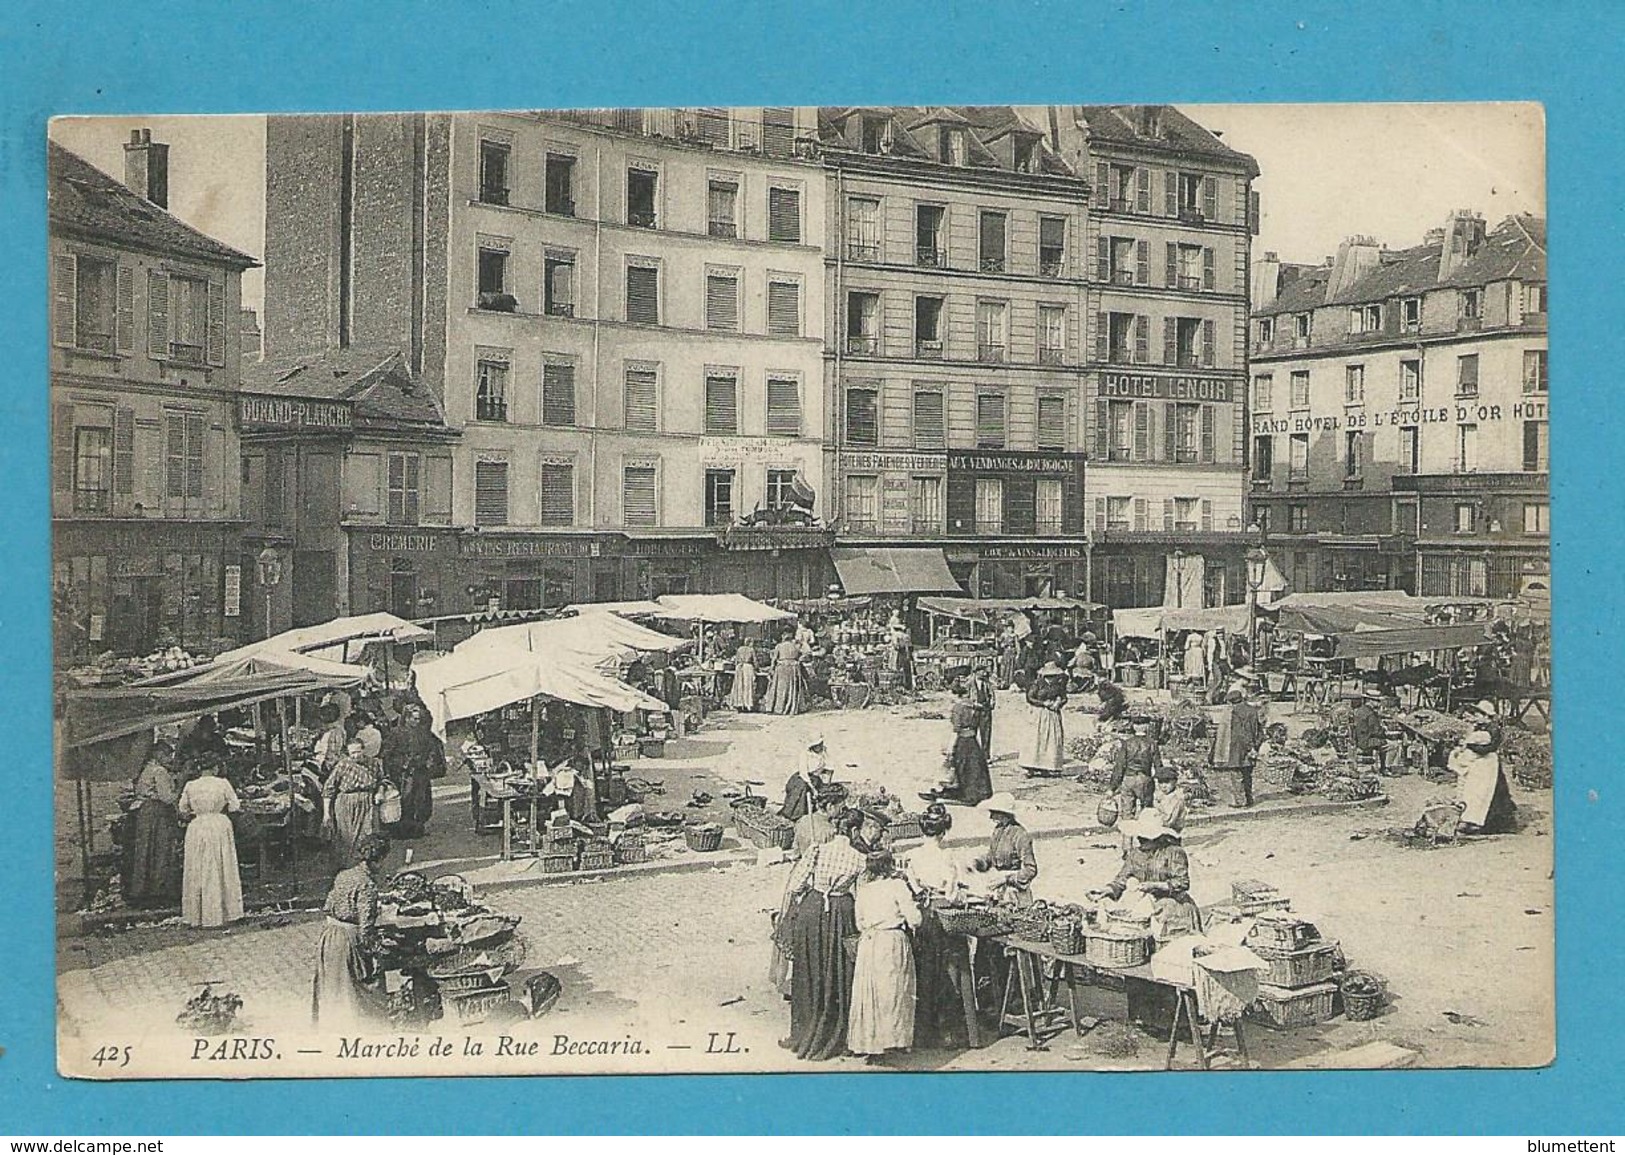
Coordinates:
[793,589]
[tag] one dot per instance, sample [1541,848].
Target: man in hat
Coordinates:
[1009,850]
[1238,727]
[1365,726]
[1134,767]
[811,776]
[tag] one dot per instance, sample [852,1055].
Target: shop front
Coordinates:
[409,572]
[1035,570]
[535,571]
[1184,570]
[770,562]
[132,586]
[1026,511]
[650,567]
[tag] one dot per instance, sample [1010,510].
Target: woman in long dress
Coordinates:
[211,887]
[883,979]
[743,695]
[1047,695]
[151,872]
[968,780]
[1196,656]
[344,964]
[814,933]
[784,692]
[812,830]
[349,803]
[941,966]
[1487,805]
[413,757]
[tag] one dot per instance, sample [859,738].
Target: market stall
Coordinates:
[703,681]
[1149,641]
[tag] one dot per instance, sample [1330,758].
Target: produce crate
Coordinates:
[476,1006]
[904,827]
[631,853]
[559,859]
[1298,968]
[1284,1009]
[597,859]
[652,747]
[1280,931]
[468,981]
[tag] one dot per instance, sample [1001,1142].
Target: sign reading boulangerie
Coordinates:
[590,794]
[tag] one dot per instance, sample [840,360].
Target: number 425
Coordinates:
[118,1056]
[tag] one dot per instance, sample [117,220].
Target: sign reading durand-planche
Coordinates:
[255,412]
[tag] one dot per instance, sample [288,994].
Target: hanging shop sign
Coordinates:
[1032,553]
[1535,409]
[1156,386]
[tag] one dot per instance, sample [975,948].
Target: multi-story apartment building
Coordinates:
[621,312]
[1399,412]
[1166,257]
[144,365]
[958,345]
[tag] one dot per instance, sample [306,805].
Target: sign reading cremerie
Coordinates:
[1167,388]
[256,412]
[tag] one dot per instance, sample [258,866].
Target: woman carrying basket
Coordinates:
[813,935]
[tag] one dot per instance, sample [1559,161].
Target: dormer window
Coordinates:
[1026,153]
[951,142]
[1410,315]
[876,134]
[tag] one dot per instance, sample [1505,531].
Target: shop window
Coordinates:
[403,588]
[719,497]
[560,178]
[404,498]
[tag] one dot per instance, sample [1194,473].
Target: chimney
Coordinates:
[1356,257]
[1266,280]
[146,167]
[1463,234]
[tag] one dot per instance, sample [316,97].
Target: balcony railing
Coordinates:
[928,350]
[91,499]
[931,258]
[186,354]
[1049,356]
[641,218]
[560,309]
[862,251]
[493,196]
[722,229]
[992,264]
[863,345]
[1192,284]
[1120,205]
[990,353]
[1191,214]
[1187,360]
[1050,264]
[1469,324]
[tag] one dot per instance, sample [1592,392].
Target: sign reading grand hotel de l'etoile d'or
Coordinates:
[1529,409]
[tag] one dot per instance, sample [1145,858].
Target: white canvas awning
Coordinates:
[477,681]
[623,609]
[719,608]
[596,636]
[335,635]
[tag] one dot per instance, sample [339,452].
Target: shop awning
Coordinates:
[1154,621]
[719,608]
[479,680]
[1410,640]
[877,570]
[335,634]
[622,609]
[596,636]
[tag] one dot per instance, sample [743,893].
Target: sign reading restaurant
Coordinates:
[1053,464]
[1159,387]
[481,546]
[258,412]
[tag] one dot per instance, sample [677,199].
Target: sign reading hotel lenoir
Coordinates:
[1163,387]
[1530,409]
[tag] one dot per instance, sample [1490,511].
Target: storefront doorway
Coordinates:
[403,589]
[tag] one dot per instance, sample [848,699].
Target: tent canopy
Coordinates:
[334,634]
[623,609]
[478,680]
[874,570]
[1154,621]
[978,609]
[719,608]
[1410,640]
[595,636]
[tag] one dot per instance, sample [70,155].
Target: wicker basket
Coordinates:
[1298,968]
[703,837]
[467,981]
[763,828]
[559,860]
[631,853]
[1363,995]
[1283,1009]
[1276,931]
[969,920]
[601,859]
[750,802]
[509,955]
[476,1006]
[1031,923]
[1115,951]
[1066,935]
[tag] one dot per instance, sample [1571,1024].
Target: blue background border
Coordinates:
[191,57]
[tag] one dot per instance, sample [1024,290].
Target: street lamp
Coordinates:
[270,567]
[1179,579]
[1257,560]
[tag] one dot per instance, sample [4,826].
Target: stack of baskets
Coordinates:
[761,827]
[1299,988]
[1116,941]
[631,847]
[469,975]
[703,836]
[1066,930]
[596,854]
[559,846]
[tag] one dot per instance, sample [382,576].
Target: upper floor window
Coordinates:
[784,215]
[783,406]
[862,416]
[722,300]
[643,294]
[558,496]
[1052,334]
[1263,388]
[1534,299]
[781,484]
[559,284]
[863,323]
[1303,325]
[722,208]
[1467,375]
[490,493]
[1190,194]
[494,155]
[1025,152]
[1300,389]
[1472,306]
[876,134]
[1365,319]
[990,421]
[560,180]
[1534,371]
[929,249]
[491,390]
[1266,330]
[188,318]
[928,327]
[992,336]
[784,308]
[1410,314]
[1410,380]
[863,229]
[951,142]
[492,277]
[721,404]
[928,420]
[559,393]
[92,469]
[642,188]
[1051,246]
[991,242]
[1354,385]
[95,304]
[403,502]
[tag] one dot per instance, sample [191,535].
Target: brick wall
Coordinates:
[302,180]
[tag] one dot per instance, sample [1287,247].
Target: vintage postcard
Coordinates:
[801,589]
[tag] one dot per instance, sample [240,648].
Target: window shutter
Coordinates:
[1103,428]
[1170,432]
[558,394]
[862,426]
[216,337]
[1207,516]
[123,451]
[1209,274]
[640,400]
[643,295]
[1103,259]
[1170,193]
[1171,259]
[490,493]
[722,303]
[784,215]
[64,308]
[558,494]
[928,427]
[638,496]
[1207,343]
[1210,198]
[1139,514]
[1168,515]
[62,447]
[1207,434]
[1142,431]
[124,326]
[1103,183]
[1170,341]
[1142,340]
[1103,337]
[1142,190]
[783,407]
[721,404]
[1100,513]
[1142,262]
[990,420]
[1052,423]
[174,455]
[157,314]
[784,308]
[194,455]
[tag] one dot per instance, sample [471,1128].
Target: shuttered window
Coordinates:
[784,308]
[928,427]
[123,451]
[92,469]
[721,403]
[183,457]
[643,294]
[722,216]
[991,242]
[558,393]
[783,407]
[95,289]
[490,493]
[722,301]
[778,131]
[862,417]
[784,215]
[641,404]
[1052,423]
[638,495]
[558,494]
[404,491]
[990,421]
